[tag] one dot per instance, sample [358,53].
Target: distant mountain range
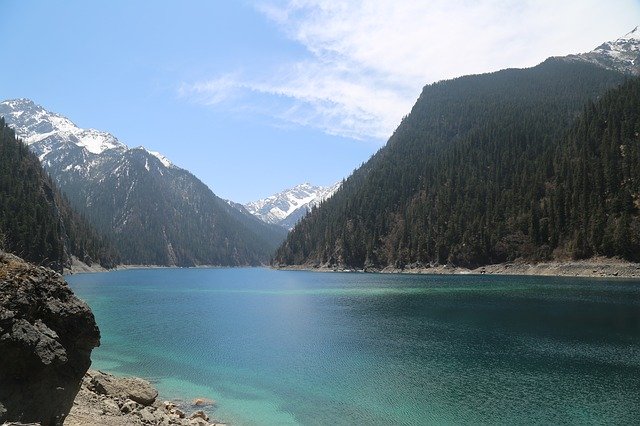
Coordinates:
[286,208]
[156,212]
[532,164]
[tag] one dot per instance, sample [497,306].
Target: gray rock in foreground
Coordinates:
[46,338]
[134,388]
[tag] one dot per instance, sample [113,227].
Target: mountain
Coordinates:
[156,212]
[622,54]
[486,169]
[36,220]
[286,208]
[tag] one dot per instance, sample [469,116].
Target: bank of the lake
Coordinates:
[285,347]
[598,267]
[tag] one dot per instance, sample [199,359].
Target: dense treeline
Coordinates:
[36,221]
[491,168]
[166,216]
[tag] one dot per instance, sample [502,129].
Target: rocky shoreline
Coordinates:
[46,338]
[599,267]
[108,400]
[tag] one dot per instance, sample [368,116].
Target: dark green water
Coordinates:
[275,347]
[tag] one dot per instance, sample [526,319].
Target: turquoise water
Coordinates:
[289,347]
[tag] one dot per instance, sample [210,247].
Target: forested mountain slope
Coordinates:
[155,212]
[483,170]
[36,221]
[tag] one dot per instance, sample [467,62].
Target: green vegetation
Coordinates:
[36,221]
[167,216]
[492,168]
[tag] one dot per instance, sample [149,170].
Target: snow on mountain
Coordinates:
[56,139]
[164,160]
[155,212]
[622,54]
[34,124]
[289,206]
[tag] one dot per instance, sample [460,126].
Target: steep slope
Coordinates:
[156,212]
[36,220]
[286,208]
[463,179]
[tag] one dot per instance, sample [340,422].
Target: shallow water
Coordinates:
[294,347]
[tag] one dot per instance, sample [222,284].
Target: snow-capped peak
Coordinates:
[287,207]
[621,54]
[631,35]
[33,124]
[48,133]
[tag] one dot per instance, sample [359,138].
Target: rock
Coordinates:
[198,422]
[199,414]
[147,416]
[46,338]
[178,412]
[134,388]
[110,407]
[163,419]
[129,406]
[173,418]
[201,402]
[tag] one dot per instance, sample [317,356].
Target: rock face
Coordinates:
[46,338]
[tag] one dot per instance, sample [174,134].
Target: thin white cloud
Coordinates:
[368,59]
[211,92]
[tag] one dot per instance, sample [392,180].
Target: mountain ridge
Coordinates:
[287,207]
[36,219]
[470,178]
[621,54]
[157,213]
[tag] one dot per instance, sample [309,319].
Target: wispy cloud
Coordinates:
[211,92]
[368,59]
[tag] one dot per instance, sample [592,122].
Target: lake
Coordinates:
[295,347]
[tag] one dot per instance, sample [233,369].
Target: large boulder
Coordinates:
[134,388]
[46,338]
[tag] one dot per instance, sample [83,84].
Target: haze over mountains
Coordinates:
[534,164]
[155,212]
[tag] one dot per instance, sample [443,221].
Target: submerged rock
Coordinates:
[46,338]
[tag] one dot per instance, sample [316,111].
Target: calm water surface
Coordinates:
[288,347]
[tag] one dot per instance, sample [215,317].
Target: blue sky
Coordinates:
[257,96]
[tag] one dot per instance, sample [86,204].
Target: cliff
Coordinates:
[46,338]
